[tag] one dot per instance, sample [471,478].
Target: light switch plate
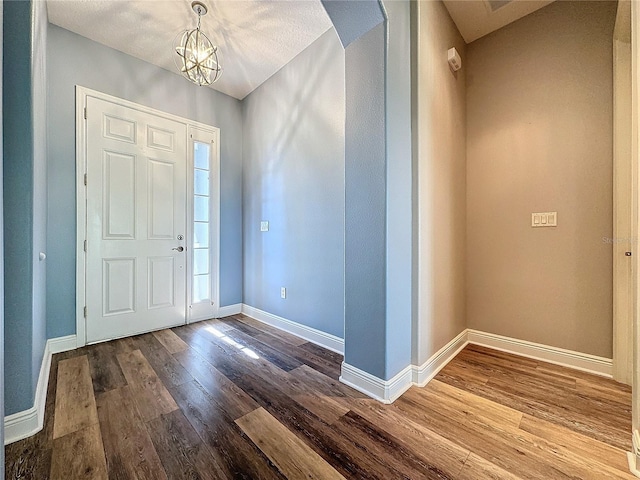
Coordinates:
[544,219]
[264,226]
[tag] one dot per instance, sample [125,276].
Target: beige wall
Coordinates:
[440,150]
[539,126]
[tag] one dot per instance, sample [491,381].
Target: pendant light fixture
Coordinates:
[196,57]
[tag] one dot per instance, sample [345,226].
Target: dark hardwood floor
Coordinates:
[233,398]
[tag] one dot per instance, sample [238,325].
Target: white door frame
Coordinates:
[81,203]
[623,186]
[634,456]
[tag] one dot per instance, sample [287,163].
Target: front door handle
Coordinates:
[180,249]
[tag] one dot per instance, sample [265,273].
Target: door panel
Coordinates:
[118,286]
[136,211]
[161,282]
[161,139]
[118,196]
[161,200]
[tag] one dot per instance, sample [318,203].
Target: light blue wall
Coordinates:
[401,194]
[353,19]
[380,198]
[23,351]
[365,201]
[76,60]
[294,179]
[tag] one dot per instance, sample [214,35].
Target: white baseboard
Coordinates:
[326,340]
[424,373]
[62,344]
[633,457]
[558,356]
[385,391]
[388,391]
[23,424]
[229,310]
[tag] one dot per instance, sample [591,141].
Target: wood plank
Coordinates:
[487,415]
[182,452]
[150,395]
[477,468]
[166,367]
[511,448]
[327,386]
[443,455]
[75,404]
[79,455]
[170,341]
[461,372]
[566,401]
[505,366]
[106,373]
[575,442]
[617,398]
[328,355]
[501,451]
[566,463]
[319,363]
[127,445]
[232,399]
[579,375]
[28,458]
[546,392]
[211,333]
[219,323]
[325,440]
[387,449]
[268,329]
[237,457]
[465,401]
[585,417]
[204,344]
[308,353]
[292,456]
[238,339]
[322,406]
[124,345]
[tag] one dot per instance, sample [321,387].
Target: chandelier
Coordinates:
[197,58]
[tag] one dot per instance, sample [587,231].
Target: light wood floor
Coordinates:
[233,398]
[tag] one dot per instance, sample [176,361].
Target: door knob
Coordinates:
[180,249]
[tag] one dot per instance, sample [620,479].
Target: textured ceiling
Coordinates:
[477,18]
[256,37]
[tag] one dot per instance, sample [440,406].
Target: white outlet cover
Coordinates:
[264,226]
[283,292]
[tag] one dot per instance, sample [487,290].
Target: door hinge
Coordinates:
[85,312]
[85,245]
[85,178]
[85,113]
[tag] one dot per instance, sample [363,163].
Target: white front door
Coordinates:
[136,221]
